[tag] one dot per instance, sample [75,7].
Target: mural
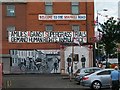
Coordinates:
[35,61]
[78,52]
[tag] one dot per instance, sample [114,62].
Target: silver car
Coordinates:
[97,80]
[84,71]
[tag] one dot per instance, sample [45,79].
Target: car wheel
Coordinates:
[96,85]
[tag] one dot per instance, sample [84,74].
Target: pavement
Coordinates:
[38,81]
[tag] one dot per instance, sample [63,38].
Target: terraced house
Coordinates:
[39,37]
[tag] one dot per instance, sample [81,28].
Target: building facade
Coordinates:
[39,37]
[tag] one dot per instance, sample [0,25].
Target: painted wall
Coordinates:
[83,50]
[6,65]
[35,61]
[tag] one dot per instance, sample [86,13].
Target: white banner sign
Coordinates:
[37,36]
[61,17]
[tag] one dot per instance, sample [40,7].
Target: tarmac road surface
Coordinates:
[38,81]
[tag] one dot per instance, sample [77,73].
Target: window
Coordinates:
[48,8]
[104,73]
[10,10]
[11,28]
[75,7]
[49,28]
[87,71]
[75,28]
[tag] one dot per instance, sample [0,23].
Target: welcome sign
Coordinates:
[62,17]
[39,37]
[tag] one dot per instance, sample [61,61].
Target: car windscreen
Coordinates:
[88,73]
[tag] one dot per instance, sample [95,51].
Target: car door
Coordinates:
[104,77]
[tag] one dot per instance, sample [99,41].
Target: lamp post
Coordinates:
[98,28]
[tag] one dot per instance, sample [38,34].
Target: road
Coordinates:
[40,81]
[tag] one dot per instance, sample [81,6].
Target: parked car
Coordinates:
[97,80]
[84,71]
[109,65]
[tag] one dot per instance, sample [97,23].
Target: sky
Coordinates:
[110,5]
[112,10]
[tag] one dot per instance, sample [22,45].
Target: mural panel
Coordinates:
[35,61]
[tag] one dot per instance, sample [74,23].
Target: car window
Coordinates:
[82,70]
[91,70]
[95,69]
[108,72]
[86,71]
